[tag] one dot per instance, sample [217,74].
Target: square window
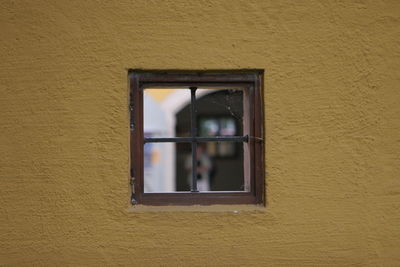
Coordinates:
[208,119]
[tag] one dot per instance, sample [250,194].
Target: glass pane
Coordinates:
[214,173]
[220,165]
[219,112]
[161,107]
[167,167]
[208,127]
[183,166]
[228,169]
[161,174]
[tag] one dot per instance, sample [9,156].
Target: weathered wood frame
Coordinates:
[252,80]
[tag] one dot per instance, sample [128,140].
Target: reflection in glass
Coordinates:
[220,165]
[209,127]
[217,126]
[159,167]
[227,126]
[219,112]
[214,173]
[160,106]
[222,110]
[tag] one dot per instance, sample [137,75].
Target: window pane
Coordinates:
[219,112]
[183,166]
[167,167]
[160,166]
[228,169]
[161,107]
[157,174]
[209,127]
[215,173]
[220,165]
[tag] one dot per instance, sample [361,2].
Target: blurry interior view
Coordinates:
[167,166]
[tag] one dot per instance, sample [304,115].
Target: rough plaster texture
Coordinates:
[332,131]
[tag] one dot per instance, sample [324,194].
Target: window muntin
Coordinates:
[248,143]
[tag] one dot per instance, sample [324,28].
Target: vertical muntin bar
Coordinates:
[193,132]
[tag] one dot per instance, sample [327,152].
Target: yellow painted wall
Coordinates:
[332,131]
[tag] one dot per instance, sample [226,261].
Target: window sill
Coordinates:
[199,208]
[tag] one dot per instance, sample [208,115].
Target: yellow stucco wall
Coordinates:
[332,131]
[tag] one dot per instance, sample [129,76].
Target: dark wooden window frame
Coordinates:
[252,81]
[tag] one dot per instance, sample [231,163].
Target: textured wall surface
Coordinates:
[332,131]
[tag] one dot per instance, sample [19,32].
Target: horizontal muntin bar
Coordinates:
[197,139]
[202,86]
